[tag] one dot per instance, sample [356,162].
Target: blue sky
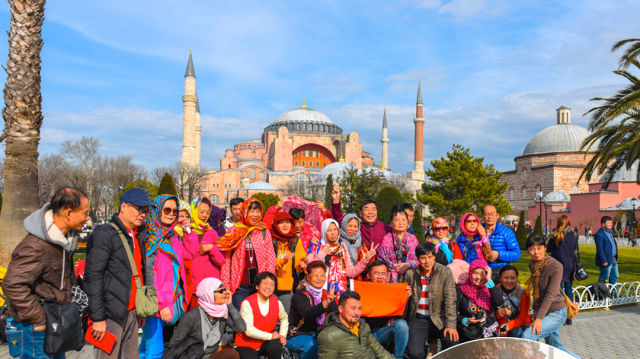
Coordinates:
[493,71]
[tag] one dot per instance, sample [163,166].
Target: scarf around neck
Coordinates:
[317,299]
[230,241]
[158,232]
[478,294]
[532,283]
[197,225]
[353,243]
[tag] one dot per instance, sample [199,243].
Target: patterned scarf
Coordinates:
[317,299]
[197,225]
[337,266]
[230,241]
[443,245]
[353,243]
[479,295]
[532,283]
[276,233]
[312,214]
[400,247]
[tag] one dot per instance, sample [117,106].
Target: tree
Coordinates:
[267,200]
[84,155]
[357,185]
[462,183]
[327,192]
[417,226]
[538,227]
[190,181]
[615,125]
[167,186]
[150,188]
[588,221]
[521,232]
[387,197]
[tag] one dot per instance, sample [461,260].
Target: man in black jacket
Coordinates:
[109,279]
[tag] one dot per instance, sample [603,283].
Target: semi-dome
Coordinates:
[336,169]
[622,175]
[563,137]
[259,185]
[306,120]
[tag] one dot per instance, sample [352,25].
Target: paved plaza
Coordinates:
[593,335]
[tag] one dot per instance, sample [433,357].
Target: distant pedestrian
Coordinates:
[42,265]
[606,251]
[562,246]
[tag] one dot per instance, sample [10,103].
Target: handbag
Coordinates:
[572,308]
[146,296]
[579,273]
[63,331]
[178,309]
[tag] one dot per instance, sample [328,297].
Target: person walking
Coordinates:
[562,245]
[201,329]
[108,276]
[446,250]
[165,272]
[398,248]
[513,316]
[42,265]
[502,241]
[550,311]
[248,250]
[606,251]
[347,335]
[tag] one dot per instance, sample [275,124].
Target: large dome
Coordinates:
[305,120]
[563,137]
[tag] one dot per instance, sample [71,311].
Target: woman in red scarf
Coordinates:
[248,250]
[284,245]
[478,299]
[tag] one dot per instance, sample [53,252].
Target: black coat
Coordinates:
[463,310]
[107,275]
[303,314]
[190,348]
[564,253]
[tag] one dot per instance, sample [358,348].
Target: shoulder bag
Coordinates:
[146,296]
[572,308]
[579,273]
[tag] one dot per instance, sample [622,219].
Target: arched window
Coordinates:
[310,163]
[253,173]
[295,163]
[303,163]
[261,176]
[214,198]
[524,193]
[324,165]
[524,174]
[244,174]
[512,194]
[317,164]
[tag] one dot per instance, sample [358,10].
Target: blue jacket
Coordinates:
[502,240]
[604,250]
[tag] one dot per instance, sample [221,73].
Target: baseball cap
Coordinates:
[137,197]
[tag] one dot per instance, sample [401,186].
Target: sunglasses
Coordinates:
[471,221]
[139,209]
[441,229]
[220,290]
[167,211]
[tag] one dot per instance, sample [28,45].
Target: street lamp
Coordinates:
[634,203]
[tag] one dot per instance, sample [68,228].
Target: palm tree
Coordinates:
[22,119]
[615,125]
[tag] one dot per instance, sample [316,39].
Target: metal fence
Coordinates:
[621,294]
[621,241]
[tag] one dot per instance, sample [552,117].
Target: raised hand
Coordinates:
[481,231]
[335,193]
[314,240]
[368,255]
[321,206]
[279,205]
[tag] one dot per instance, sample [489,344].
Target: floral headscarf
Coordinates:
[197,225]
[442,223]
[480,295]
[352,243]
[183,206]
[230,241]
[158,232]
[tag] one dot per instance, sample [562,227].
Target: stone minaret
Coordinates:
[385,141]
[418,164]
[198,129]
[190,156]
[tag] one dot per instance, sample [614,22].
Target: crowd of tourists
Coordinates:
[201,285]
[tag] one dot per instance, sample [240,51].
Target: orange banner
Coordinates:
[381,299]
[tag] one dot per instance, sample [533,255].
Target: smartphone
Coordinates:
[253,272]
[333,287]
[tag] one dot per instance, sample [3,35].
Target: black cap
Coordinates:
[137,197]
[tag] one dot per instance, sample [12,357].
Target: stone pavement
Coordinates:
[594,335]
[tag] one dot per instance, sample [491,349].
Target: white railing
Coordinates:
[621,241]
[621,294]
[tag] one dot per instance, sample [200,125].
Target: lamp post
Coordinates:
[634,203]
[546,221]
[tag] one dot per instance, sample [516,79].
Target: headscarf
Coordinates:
[317,299]
[230,241]
[183,206]
[439,223]
[480,295]
[206,298]
[483,246]
[275,230]
[197,225]
[532,283]
[159,239]
[217,216]
[352,243]
[462,227]
[335,259]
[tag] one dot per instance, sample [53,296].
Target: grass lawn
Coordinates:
[628,264]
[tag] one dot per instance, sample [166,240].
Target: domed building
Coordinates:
[552,161]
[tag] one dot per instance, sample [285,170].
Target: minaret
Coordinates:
[418,164]
[385,141]
[189,100]
[198,130]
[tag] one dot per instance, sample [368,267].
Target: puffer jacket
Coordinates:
[442,296]
[107,275]
[40,265]
[504,241]
[337,341]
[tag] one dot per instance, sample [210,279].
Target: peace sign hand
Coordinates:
[368,255]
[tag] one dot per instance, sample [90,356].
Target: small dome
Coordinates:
[557,196]
[563,137]
[259,185]
[626,205]
[336,169]
[622,175]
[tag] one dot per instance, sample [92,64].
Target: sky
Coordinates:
[493,71]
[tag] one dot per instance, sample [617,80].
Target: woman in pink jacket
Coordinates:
[202,257]
[335,255]
[165,271]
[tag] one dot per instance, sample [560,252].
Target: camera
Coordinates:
[477,315]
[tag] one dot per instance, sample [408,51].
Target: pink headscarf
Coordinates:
[480,295]
[206,298]
[462,227]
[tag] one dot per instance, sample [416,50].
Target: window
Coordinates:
[310,163]
[253,173]
[575,189]
[324,164]
[317,164]
[214,198]
[261,176]
[512,194]
[303,164]
[524,174]
[295,163]
[244,174]
[524,193]
[317,153]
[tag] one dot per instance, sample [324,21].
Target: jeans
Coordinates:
[271,349]
[33,343]
[398,332]
[568,289]
[152,342]
[421,329]
[609,273]
[551,323]
[241,293]
[515,333]
[305,346]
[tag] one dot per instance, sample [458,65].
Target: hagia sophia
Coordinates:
[294,154]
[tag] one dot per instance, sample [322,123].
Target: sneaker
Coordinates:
[569,322]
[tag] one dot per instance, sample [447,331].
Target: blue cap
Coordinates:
[137,197]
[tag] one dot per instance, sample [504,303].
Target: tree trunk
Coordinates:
[22,118]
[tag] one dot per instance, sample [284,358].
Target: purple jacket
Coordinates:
[163,273]
[370,234]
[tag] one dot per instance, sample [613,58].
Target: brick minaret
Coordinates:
[385,141]
[189,117]
[418,164]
